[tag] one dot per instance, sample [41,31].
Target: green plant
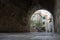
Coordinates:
[39,24]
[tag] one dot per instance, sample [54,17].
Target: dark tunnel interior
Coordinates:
[14,13]
[47,4]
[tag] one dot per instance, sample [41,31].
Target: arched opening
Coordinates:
[42,21]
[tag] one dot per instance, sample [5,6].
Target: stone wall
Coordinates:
[57,16]
[13,17]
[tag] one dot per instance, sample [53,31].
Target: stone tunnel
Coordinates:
[15,14]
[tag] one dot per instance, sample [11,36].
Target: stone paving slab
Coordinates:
[29,36]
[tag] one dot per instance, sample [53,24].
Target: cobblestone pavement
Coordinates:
[30,36]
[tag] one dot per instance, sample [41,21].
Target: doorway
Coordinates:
[42,21]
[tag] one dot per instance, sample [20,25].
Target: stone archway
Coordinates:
[39,12]
[15,17]
[36,5]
